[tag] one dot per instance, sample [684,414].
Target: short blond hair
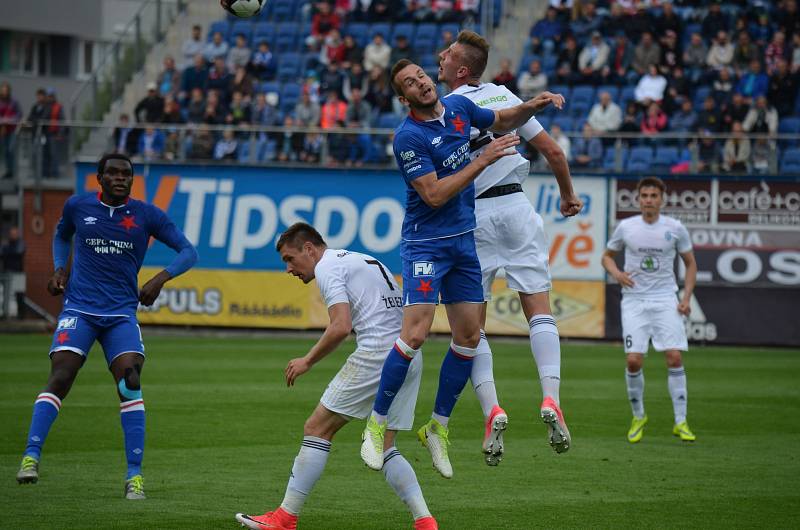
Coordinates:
[476,51]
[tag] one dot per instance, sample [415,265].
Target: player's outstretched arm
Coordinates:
[336,332]
[509,119]
[436,192]
[623,278]
[544,143]
[684,307]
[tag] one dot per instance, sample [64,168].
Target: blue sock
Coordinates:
[131,413]
[45,412]
[455,372]
[395,368]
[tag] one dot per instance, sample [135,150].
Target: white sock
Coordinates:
[401,477]
[676,381]
[546,349]
[308,467]
[380,418]
[635,384]
[441,419]
[482,377]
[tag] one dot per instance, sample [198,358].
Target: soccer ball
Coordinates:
[242,8]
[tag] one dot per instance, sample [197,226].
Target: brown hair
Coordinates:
[298,234]
[399,65]
[476,51]
[652,182]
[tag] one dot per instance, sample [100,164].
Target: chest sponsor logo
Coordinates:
[89,220]
[423,268]
[436,141]
[649,264]
[67,323]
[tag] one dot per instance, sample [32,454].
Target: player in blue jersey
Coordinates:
[438,249]
[108,234]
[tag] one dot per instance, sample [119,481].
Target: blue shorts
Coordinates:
[76,332]
[447,267]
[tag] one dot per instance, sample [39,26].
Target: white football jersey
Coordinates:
[650,251]
[510,169]
[376,301]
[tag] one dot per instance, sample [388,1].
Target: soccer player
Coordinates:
[648,304]
[438,248]
[510,236]
[361,294]
[111,234]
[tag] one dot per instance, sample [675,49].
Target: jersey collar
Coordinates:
[466,89]
[440,118]
[100,198]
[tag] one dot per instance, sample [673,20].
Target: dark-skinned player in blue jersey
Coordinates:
[438,248]
[108,233]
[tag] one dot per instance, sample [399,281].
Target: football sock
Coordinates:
[393,374]
[455,371]
[401,477]
[676,381]
[635,383]
[308,467]
[131,414]
[483,377]
[546,349]
[45,411]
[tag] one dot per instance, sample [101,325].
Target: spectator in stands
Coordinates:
[669,20]
[219,79]
[685,119]
[202,144]
[647,53]
[467,11]
[242,82]
[694,56]
[754,83]
[263,63]
[443,11]
[172,146]
[562,140]
[446,40]
[151,144]
[332,50]
[353,54]
[194,77]
[720,55]
[546,34]
[332,80]
[761,30]
[192,46]
[39,109]
[587,150]
[654,120]
[707,153]
[593,59]
[383,10]
[12,253]
[312,148]
[379,93]
[238,111]
[568,61]
[587,23]
[775,51]
[605,116]
[506,76]
[714,22]
[670,55]
[169,80]
[760,155]
[324,21]
[533,82]
[788,17]
[215,109]
[651,86]
[333,112]
[639,22]
[709,119]
[402,50]
[264,112]
[722,87]
[620,61]
[196,109]
[227,147]
[563,7]
[355,77]
[358,111]
[216,48]
[736,110]
[616,22]
[150,109]
[240,54]
[10,113]
[678,87]
[289,145]
[631,120]
[795,53]
[782,89]
[307,112]
[125,137]
[736,153]
[745,52]
[762,118]
[172,111]
[377,53]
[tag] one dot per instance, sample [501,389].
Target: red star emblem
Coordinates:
[62,337]
[458,124]
[425,287]
[128,222]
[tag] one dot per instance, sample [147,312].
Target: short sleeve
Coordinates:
[413,157]
[332,284]
[530,128]
[684,243]
[616,243]
[479,117]
[162,228]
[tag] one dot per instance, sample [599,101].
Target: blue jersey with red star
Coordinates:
[110,243]
[442,146]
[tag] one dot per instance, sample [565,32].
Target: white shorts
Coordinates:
[652,319]
[510,236]
[352,391]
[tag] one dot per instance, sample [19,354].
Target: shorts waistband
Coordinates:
[499,191]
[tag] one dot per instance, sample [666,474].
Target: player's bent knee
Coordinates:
[129,385]
[674,359]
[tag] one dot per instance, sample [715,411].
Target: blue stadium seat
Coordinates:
[383,28]
[666,156]
[609,158]
[387,120]
[790,125]
[282,10]
[611,89]
[404,28]
[790,162]
[286,39]
[626,95]
[244,27]
[243,155]
[291,91]
[454,28]
[310,62]
[288,66]
[428,30]
[581,100]
[700,94]
[544,121]
[526,61]
[359,31]
[549,64]
[270,86]
[565,122]
[264,31]
[429,60]
[640,159]
[220,25]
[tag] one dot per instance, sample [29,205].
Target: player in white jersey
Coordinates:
[361,294]
[649,309]
[510,236]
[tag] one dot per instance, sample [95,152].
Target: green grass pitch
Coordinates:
[223,430]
